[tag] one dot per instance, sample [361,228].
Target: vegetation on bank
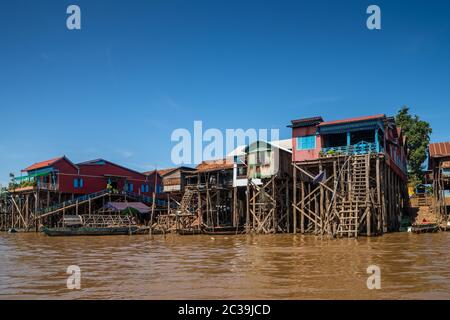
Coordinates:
[418,133]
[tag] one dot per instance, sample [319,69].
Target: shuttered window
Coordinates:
[306,142]
[78,183]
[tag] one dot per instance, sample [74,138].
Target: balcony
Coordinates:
[47,186]
[33,185]
[362,147]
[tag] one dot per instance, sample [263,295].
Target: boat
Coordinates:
[146,230]
[90,231]
[229,230]
[445,227]
[188,232]
[424,227]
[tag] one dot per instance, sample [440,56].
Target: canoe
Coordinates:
[223,230]
[89,231]
[425,227]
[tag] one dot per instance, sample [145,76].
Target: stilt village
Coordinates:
[340,178]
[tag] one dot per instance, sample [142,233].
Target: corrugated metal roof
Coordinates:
[42,164]
[163,172]
[305,122]
[350,120]
[121,206]
[285,144]
[439,149]
[213,165]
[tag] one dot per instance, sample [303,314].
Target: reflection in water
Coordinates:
[33,266]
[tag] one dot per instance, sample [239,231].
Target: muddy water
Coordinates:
[33,266]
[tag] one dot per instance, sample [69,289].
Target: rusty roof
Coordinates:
[349,120]
[439,149]
[214,165]
[42,164]
[163,172]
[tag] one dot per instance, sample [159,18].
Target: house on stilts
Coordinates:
[205,202]
[49,190]
[349,176]
[439,168]
[262,174]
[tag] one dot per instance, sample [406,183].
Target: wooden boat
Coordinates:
[90,231]
[425,227]
[146,230]
[188,232]
[223,230]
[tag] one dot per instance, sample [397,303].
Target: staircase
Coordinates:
[70,203]
[186,200]
[348,208]
[348,219]
[423,200]
[359,190]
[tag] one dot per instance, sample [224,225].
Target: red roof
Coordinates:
[349,120]
[439,149]
[42,164]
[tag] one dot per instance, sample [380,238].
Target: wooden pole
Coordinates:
[235,213]
[302,215]
[321,202]
[288,209]
[368,210]
[294,200]
[153,201]
[379,206]
[247,196]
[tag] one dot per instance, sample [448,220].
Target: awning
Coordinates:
[121,206]
[35,174]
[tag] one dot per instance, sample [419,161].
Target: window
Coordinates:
[306,143]
[144,188]
[77,183]
[264,158]
[130,187]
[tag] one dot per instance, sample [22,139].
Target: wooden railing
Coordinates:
[47,186]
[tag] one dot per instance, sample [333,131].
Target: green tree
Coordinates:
[12,184]
[418,134]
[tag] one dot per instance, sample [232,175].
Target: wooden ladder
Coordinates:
[348,220]
[359,189]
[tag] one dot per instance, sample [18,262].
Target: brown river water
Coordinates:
[33,266]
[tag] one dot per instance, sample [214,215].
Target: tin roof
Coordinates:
[285,144]
[42,164]
[214,165]
[305,122]
[163,172]
[439,149]
[121,206]
[350,120]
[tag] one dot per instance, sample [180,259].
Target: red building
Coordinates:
[63,176]
[313,138]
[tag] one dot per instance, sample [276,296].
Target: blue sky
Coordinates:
[137,70]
